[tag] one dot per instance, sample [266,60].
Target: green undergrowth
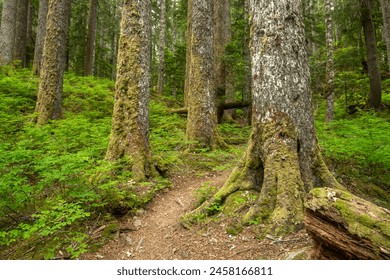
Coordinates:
[55,185]
[57,191]
[357,147]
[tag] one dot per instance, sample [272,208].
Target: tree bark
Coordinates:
[385,4]
[188,51]
[375,98]
[202,115]
[49,102]
[20,42]
[91,38]
[41,34]
[161,48]
[7,31]
[130,122]
[222,37]
[329,62]
[283,160]
[344,226]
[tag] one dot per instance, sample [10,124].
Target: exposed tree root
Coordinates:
[270,167]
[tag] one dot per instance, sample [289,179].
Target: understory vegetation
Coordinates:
[60,198]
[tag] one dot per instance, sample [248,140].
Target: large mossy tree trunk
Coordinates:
[130,122]
[283,160]
[374,74]
[7,31]
[49,102]
[202,115]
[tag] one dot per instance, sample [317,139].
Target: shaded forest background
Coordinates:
[56,188]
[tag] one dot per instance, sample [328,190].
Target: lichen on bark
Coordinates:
[130,122]
[283,160]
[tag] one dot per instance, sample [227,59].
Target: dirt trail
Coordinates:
[156,234]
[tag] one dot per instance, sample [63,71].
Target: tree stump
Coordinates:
[344,226]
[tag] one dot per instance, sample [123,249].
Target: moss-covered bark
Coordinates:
[344,226]
[49,102]
[202,115]
[130,121]
[283,160]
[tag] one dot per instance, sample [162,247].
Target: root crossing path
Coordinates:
[156,234]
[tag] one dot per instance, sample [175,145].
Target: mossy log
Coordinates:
[344,226]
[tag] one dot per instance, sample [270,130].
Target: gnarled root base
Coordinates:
[269,168]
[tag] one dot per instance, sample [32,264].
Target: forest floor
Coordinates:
[155,232]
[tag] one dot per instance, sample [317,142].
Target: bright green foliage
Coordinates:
[57,170]
[358,147]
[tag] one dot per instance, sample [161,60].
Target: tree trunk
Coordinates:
[283,159]
[375,98]
[7,31]
[247,94]
[188,51]
[49,102]
[41,34]
[202,115]
[91,37]
[161,48]
[20,42]
[344,226]
[222,37]
[130,122]
[385,4]
[329,62]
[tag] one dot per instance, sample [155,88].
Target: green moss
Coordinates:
[110,229]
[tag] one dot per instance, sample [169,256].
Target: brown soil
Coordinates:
[156,234]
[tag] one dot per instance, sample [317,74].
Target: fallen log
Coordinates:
[221,106]
[344,226]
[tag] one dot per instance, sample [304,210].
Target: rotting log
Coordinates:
[344,226]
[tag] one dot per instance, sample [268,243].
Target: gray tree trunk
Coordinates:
[385,4]
[283,160]
[40,38]
[49,102]
[130,121]
[161,48]
[202,115]
[329,62]
[7,31]
[91,37]
[20,42]
[188,51]
[222,37]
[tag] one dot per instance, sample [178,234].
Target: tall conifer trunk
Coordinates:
[202,115]
[329,62]
[7,31]
[130,122]
[49,102]
[20,42]
[91,37]
[283,160]
[41,34]
[385,5]
[375,97]
[161,48]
